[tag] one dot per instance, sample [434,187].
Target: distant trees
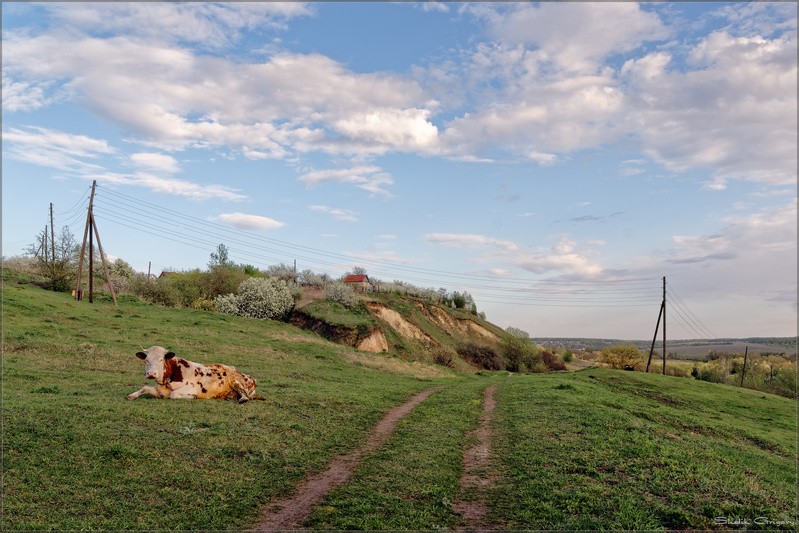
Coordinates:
[765,372]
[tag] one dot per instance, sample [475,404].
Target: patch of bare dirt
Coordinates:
[462,325]
[478,473]
[396,321]
[374,342]
[291,513]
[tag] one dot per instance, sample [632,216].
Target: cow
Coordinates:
[178,378]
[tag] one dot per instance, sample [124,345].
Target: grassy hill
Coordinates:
[592,449]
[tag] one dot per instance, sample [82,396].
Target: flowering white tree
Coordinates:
[261,298]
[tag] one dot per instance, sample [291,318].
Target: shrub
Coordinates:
[341,293]
[444,359]
[221,280]
[520,354]
[205,304]
[228,304]
[621,356]
[483,356]
[158,291]
[261,298]
[552,361]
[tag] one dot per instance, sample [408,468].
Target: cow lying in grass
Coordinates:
[178,378]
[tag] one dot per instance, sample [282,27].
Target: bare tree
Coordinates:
[58,269]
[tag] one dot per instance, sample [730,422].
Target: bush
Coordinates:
[221,280]
[444,359]
[204,304]
[343,294]
[261,298]
[552,361]
[520,354]
[622,356]
[483,356]
[158,291]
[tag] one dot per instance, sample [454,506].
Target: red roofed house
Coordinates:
[359,282]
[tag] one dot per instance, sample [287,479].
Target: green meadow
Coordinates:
[595,449]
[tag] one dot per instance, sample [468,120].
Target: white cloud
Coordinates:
[250,222]
[22,96]
[562,259]
[208,24]
[155,162]
[465,240]
[369,178]
[576,36]
[177,187]
[172,98]
[55,149]
[750,258]
[340,214]
[734,111]
[429,6]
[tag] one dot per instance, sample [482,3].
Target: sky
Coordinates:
[554,160]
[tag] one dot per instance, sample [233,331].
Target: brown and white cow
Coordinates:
[178,378]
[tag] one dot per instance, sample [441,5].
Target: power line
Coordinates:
[126,202]
[694,320]
[151,219]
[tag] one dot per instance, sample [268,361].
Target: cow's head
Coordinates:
[155,358]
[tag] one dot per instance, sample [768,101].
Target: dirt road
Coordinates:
[290,513]
[477,470]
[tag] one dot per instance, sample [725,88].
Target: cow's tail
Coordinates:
[256,397]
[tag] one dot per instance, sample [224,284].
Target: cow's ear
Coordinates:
[169,355]
[141,355]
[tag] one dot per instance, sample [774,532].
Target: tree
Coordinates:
[261,298]
[458,300]
[59,270]
[622,356]
[220,258]
[282,271]
[359,271]
[518,333]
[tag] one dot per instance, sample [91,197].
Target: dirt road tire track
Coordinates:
[290,513]
[477,471]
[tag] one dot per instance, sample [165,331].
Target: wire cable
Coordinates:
[115,207]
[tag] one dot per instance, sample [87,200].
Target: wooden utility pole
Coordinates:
[78,291]
[661,314]
[743,371]
[91,257]
[52,234]
[654,338]
[90,232]
[44,245]
[102,258]
[664,325]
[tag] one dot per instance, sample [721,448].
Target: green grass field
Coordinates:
[595,449]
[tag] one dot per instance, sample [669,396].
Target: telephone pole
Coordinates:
[662,315]
[91,231]
[52,234]
[664,325]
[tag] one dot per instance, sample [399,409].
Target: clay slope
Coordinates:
[399,325]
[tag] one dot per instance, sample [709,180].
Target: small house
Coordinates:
[359,282]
